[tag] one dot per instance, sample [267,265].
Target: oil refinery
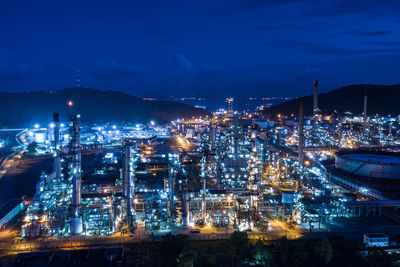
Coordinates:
[287,176]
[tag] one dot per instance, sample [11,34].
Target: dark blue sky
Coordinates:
[185,48]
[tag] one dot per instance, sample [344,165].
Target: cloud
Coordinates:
[266,27]
[328,50]
[230,6]
[369,33]
[308,70]
[197,70]
[357,7]
[381,43]
[113,70]
[288,43]
[18,70]
[184,62]
[209,67]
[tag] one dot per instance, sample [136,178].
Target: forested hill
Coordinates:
[382,99]
[95,106]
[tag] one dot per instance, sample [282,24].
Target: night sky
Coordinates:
[199,48]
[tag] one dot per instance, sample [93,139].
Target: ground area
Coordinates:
[21,176]
[238,250]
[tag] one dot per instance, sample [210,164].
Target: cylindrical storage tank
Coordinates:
[373,164]
[76,225]
[288,196]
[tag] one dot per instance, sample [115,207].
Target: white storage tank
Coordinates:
[288,196]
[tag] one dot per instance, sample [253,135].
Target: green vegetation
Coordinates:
[382,100]
[239,250]
[95,106]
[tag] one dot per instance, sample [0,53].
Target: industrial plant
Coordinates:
[270,176]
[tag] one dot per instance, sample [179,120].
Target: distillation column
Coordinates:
[129,184]
[204,189]
[301,135]
[171,191]
[75,172]
[365,109]
[57,162]
[315,103]
[211,139]
[236,140]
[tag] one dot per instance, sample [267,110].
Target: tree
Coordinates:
[379,257]
[323,250]
[240,247]
[260,253]
[171,247]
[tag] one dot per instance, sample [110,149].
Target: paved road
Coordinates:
[20,174]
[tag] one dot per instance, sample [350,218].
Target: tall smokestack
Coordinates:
[171,190]
[128,182]
[78,78]
[301,134]
[57,163]
[212,135]
[186,207]
[236,140]
[365,108]
[75,171]
[204,188]
[315,106]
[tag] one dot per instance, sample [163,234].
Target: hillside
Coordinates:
[95,106]
[382,99]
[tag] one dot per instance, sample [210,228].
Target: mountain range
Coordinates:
[95,106]
[382,100]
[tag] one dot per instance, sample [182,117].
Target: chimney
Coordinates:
[75,171]
[57,163]
[365,108]
[301,134]
[128,183]
[315,106]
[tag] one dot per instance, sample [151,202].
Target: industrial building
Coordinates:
[233,171]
